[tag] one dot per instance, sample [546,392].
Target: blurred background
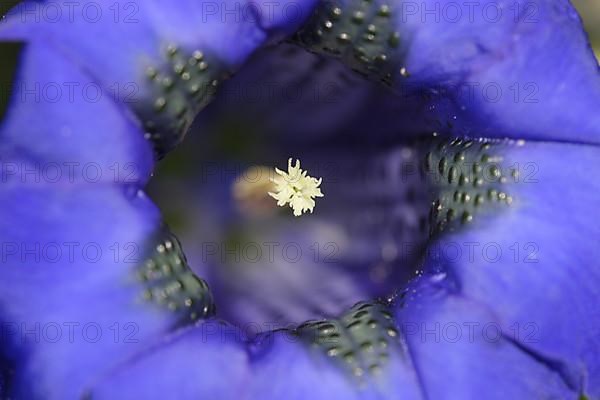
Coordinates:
[590,12]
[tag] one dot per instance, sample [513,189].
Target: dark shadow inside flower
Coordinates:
[367,236]
[6,372]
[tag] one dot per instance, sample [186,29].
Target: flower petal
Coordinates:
[72,298]
[519,69]
[213,360]
[162,61]
[44,140]
[532,264]
[461,352]
[203,361]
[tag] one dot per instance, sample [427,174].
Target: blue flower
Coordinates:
[452,255]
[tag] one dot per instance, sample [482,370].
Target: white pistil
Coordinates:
[296,188]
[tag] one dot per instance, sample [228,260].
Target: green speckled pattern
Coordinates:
[469,179]
[180,88]
[360,340]
[361,34]
[170,282]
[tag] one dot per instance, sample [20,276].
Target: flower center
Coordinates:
[296,188]
[385,204]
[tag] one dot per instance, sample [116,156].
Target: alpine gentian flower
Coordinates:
[97,298]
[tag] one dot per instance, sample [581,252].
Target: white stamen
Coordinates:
[296,189]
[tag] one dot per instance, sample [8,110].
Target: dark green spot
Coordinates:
[11,52]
